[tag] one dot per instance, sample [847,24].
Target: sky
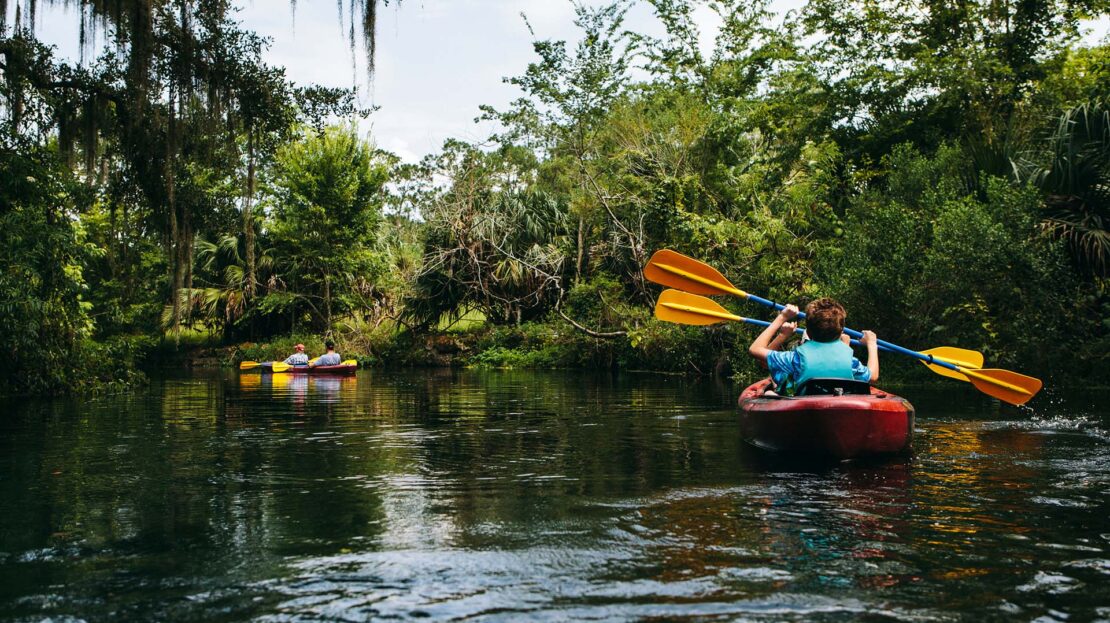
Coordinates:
[437,60]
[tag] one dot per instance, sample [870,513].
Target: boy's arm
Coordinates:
[762,344]
[871,340]
[783,336]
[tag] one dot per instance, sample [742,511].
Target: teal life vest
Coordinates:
[823,360]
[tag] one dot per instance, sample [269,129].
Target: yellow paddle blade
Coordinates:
[349,362]
[248,365]
[685,308]
[313,360]
[952,374]
[675,270]
[956,356]
[280,366]
[1004,385]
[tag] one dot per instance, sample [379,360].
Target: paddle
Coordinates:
[345,362]
[675,270]
[956,356]
[1011,387]
[275,366]
[673,307]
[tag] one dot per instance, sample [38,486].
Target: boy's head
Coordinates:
[825,320]
[330,344]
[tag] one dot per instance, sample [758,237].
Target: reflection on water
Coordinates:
[501,496]
[295,388]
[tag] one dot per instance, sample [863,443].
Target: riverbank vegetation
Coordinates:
[943,170]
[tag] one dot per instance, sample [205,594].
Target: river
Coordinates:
[500,496]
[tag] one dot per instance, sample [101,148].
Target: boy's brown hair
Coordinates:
[825,320]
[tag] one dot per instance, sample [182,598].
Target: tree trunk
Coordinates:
[248,219]
[175,229]
[327,304]
[580,263]
[187,259]
[182,273]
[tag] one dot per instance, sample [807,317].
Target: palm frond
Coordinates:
[1077,186]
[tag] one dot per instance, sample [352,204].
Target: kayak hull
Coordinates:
[344,369]
[828,427]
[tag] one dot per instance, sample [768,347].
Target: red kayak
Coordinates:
[839,424]
[342,368]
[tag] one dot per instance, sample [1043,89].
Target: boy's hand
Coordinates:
[869,338]
[787,329]
[789,312]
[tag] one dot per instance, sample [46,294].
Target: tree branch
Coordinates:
[589,332]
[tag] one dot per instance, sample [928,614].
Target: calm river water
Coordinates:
[536,496]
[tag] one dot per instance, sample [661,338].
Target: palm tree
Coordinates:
[503,254]
[1077,183]
[220,299]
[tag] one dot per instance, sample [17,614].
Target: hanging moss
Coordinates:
[130,23]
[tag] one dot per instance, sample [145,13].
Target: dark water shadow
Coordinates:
[759,460]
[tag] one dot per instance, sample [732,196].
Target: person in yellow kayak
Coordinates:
[298,358]
[824,355]
[330,358]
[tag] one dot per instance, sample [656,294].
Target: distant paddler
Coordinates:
[298,358]
[330,358]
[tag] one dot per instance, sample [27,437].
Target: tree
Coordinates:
[43,318]
[488,244]
[567,99]
[184,106]
[130,23]
[1077,186]
[326,197]
[935,71]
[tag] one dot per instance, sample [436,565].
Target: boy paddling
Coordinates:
[824,355]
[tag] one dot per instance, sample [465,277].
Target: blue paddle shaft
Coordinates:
[883,344]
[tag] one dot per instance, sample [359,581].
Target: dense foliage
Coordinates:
[326,212]
[943,169]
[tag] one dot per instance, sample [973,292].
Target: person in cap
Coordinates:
[298,358]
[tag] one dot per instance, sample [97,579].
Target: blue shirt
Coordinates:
[297,359]
[792,365]
[330,359]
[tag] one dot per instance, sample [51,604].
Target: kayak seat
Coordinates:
[834,387]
